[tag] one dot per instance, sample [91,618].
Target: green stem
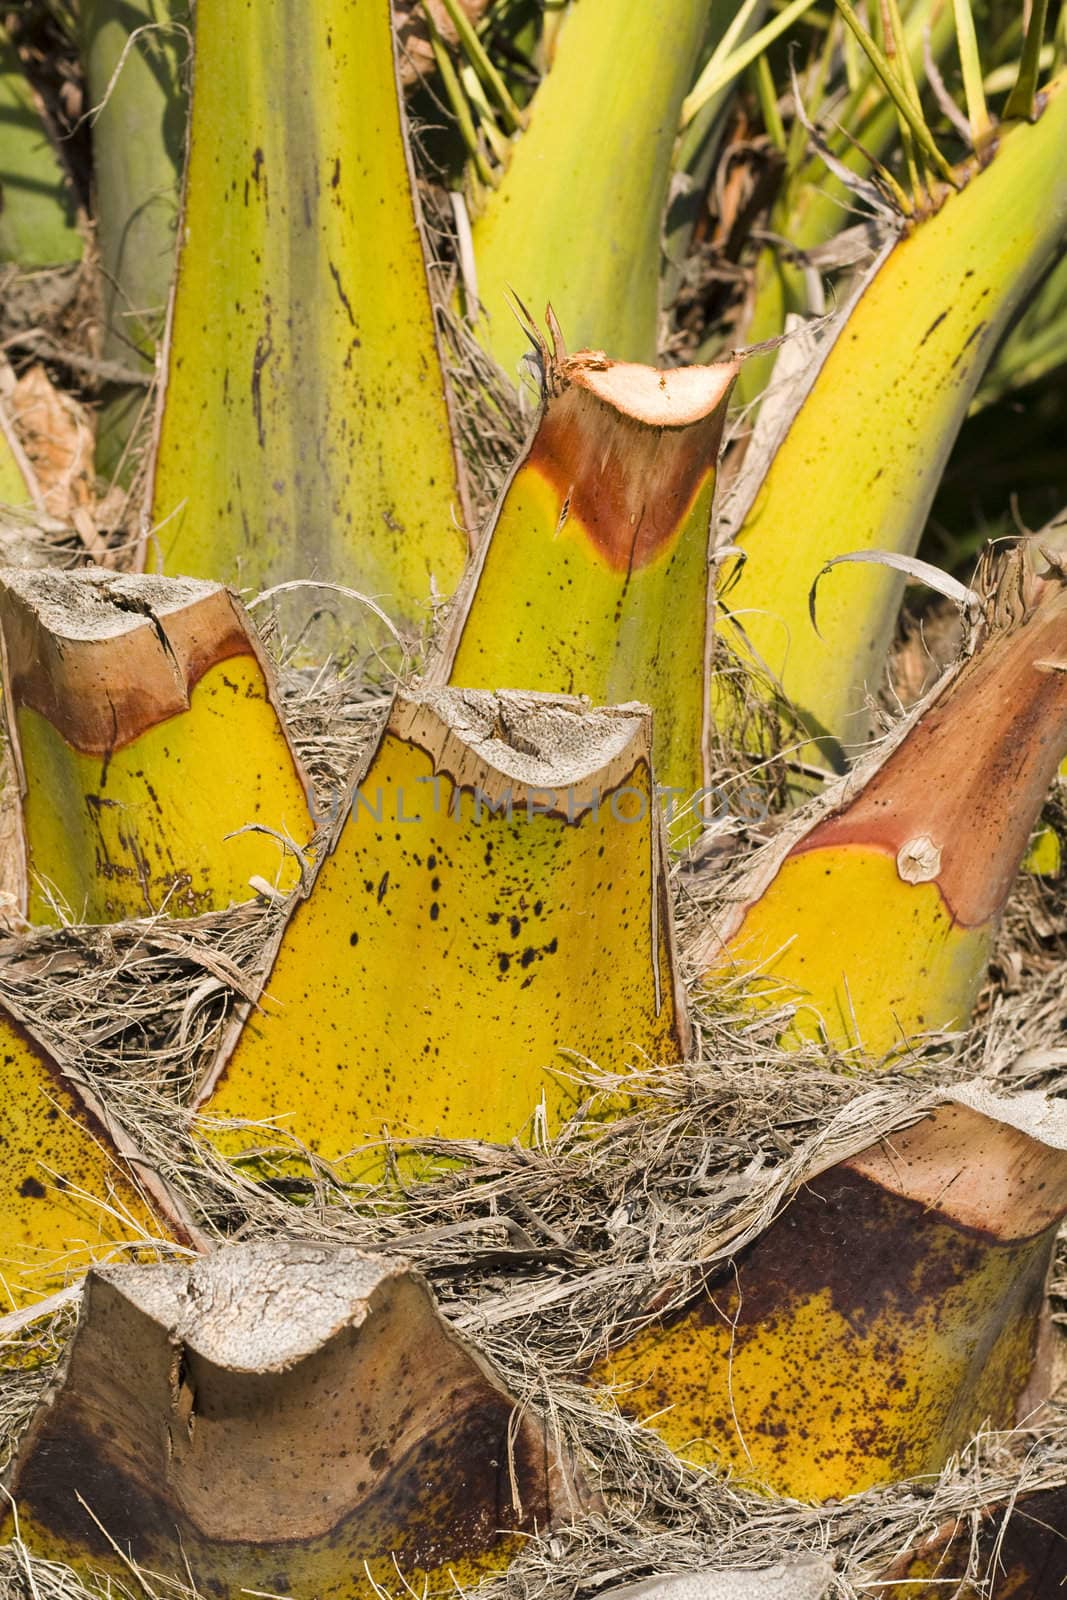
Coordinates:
[497,140]
[971,67]
[1021,100]
[718,74]
[768,101]
[457,99]
[896,49]
[479,59]
[893,87]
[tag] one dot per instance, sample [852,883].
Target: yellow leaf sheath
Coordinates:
[865,451]
[147,736]
[305,429]
[496,897]
[890,1309]
[68,1192]
[875,917]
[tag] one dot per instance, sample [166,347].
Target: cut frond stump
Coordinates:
[874,913]
[142,715]
[73,1187]
[496,896]
[594,578]
[305,428]
[286,1418]
[896,1305]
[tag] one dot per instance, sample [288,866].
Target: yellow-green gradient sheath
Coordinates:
[874,1326]
[594,578]
[865,451]
[39,215]
[305,429]
[577,217]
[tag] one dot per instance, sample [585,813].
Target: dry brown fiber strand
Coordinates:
[535,1252]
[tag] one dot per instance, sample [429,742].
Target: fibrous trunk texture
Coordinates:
[594,577]
[281,1417]
[496,896]
[143,720]
[1021,1550]
[796,1578]
[19,488]
[894,1306]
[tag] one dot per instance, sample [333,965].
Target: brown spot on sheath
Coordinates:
[971,776]
[933,326]
[342,296]
[935,1280]
[260,356]
[105,656]
[630,446]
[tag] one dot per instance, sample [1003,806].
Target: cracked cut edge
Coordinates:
[127,701]
[105,656]
[803,1577]
[496,895]
[282,1416]
[894,1306]
[73,1183]
[602,532]
[520,743]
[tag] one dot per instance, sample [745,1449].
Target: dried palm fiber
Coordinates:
[540,1253]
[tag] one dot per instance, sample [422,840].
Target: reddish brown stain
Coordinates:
[886,1263]
[446,1499]
[629,485]
[102,694]
[972,775]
